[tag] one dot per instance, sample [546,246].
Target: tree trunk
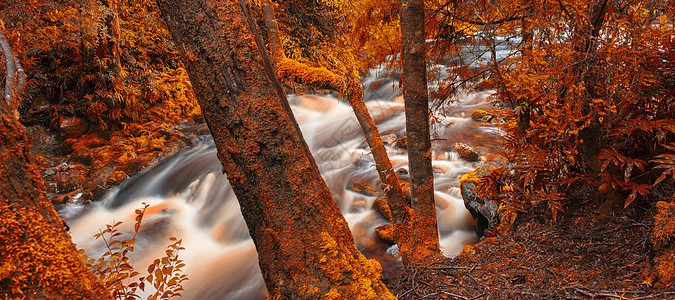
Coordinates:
[15,81]
[422,232]
[114,31]
[350,89]
[592,137]
[304,245]
[38,259]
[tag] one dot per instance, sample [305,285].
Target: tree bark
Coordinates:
[591,137]
[114,32]
[38,259]
[15,80]
[422,232]
[413,231]
[304,245]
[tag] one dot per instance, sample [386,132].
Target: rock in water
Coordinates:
[72,127]
[485,211]
[386,233]
[466,152]
[381,206]
[363,187]
[482,116]
[402,143]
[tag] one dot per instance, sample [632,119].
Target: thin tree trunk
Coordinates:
[38,259]
[351,89]
[115,32]
[591,137]
[15,80]
[422,235]
[304,245]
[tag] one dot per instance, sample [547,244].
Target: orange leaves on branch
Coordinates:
[635,189]
[553,199]
[590,88]
[621,161]
[115,269]
[666,162]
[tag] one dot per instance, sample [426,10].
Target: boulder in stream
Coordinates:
[381,206]
[482,116]
[466,152]
[485,211]
[386,234]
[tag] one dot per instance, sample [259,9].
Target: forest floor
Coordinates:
[582,255]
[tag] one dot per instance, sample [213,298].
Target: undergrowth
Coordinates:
[117,273]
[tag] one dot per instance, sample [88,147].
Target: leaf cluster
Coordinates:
[589,89]
[67,50]
[115,268]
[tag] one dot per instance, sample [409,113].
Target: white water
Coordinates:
[190,199]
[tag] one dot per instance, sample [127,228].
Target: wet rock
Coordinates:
[72,127]
[358,205]
[381,206]
[484,211]
[363,187]
[482,116]
[69,177]
[402,143]
[98,184]
[389,139]
[466,152]
[62,167]
[386,234]
[487,117]
[402,174]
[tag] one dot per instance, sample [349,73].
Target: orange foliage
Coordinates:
[64,47]
[661,271]
[114,268]
[589,87]
[43,261]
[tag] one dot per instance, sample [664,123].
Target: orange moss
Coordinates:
[37,258]
[334,263]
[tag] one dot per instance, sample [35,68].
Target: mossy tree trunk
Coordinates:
[416,234]
[419,238]
[305,248]
[37,258]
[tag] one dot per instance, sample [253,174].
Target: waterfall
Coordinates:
[190,199]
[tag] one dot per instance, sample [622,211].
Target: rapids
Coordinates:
[190,199]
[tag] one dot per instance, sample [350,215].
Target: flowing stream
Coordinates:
[190,199]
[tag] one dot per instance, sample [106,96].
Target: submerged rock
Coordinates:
[363,187]
[484,211]
[487,117]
